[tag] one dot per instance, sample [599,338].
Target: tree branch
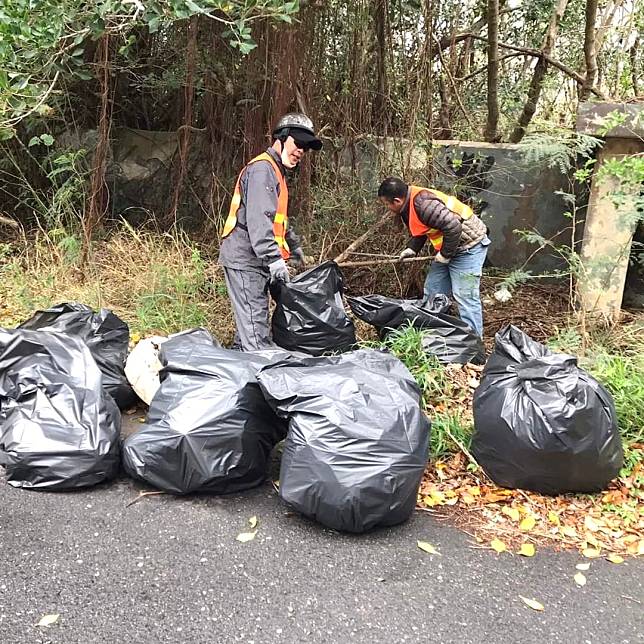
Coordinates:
[551,61]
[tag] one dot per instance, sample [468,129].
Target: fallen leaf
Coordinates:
[568,531]
[640,548]
[590,553]
[527,524]
[590,524]
[527,550]
[252,522]
[427,547]
[467,498]
[615,558]
[580,579]
[498,545]
[533,603]
[513,513]
[582,566]
[246,536]
[553,517]
[48,620]
[475,490]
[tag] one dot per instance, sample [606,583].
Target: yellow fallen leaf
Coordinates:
[533,603]
[527,550]
[135,338]
[590,553]
[582,566]
[590,524]
[252,522]
[640,548]
[568,531]
[580,579]
[427,547]
[615,558]
[513,513]
[48,620]
[527,524]
[246,536]
[467,498]
[498,545]
[475,490]
[553,517]
[452,501]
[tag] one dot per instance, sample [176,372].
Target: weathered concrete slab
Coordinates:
[592,118]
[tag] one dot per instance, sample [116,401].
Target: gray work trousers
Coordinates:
[248,293]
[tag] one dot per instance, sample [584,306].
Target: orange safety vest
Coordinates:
[280,221]
[417,227]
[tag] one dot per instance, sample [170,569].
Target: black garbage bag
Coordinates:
[358,441]
[444,336]
[209,428]
[106,335]
[59,429]
[310,316]
[541,423]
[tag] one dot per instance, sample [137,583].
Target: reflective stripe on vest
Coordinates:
[417,227]
[280,221]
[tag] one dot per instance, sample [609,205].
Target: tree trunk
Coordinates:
[98,192]
[590,53]
[633,55]
[381,109]
[539,73]
[492,71]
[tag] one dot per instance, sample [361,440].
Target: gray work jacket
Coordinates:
[251,245]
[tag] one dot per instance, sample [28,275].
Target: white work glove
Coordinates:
[440,259]
[279,271]
[297,258]
[407,253]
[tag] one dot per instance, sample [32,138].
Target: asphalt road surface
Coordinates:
[168,569]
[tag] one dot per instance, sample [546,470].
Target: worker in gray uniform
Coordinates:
[257,240]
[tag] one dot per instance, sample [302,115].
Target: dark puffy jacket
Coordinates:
[458,234]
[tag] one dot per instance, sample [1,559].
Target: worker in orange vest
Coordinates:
[458,237]
[257,240]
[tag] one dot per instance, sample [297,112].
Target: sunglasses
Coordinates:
[302,145]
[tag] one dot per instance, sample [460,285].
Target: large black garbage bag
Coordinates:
[59,429]
[106,335]
[358,441]
[310,315]
[209,428]
[445,336]
[541,423]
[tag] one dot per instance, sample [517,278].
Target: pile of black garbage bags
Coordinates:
[355,437]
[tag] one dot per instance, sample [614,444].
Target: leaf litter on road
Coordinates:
[609,524]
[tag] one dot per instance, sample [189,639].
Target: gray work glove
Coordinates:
[407,253]
[440,259]
[279,271]
[297,259]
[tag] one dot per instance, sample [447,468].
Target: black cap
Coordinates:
[305,138]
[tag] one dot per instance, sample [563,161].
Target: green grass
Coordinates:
[451,431]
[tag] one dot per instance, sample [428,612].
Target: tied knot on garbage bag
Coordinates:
[357,442]
[106,336]
[209,428]
[446,337]
[309,315]
[541,422]
[59,429]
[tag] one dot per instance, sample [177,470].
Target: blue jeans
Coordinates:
[461,279]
